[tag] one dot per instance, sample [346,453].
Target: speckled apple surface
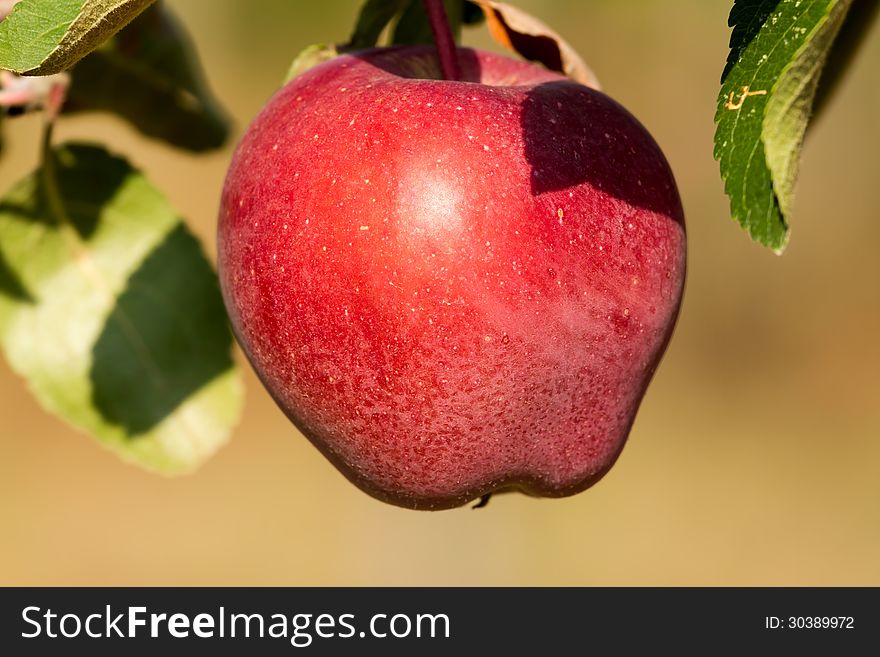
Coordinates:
[449,287]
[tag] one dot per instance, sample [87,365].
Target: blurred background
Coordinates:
[754,459]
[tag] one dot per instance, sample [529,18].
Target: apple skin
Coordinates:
[452,288]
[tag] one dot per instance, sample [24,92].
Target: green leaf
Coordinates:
[42,37]
[149,75]
[374,17]
[112,314]
[413,27]
[309,57]
[778,50]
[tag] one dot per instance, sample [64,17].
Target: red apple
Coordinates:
[452,287]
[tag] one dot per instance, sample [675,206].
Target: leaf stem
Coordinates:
[443,38]
[48,176]
[46,142]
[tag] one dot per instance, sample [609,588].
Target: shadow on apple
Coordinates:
[600,159]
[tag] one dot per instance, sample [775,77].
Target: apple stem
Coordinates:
[443,38]
[484,500]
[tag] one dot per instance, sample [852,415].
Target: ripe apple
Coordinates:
[452,287]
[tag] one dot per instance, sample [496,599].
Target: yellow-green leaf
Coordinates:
[112,314]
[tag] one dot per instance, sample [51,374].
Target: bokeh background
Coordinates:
[755,456]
